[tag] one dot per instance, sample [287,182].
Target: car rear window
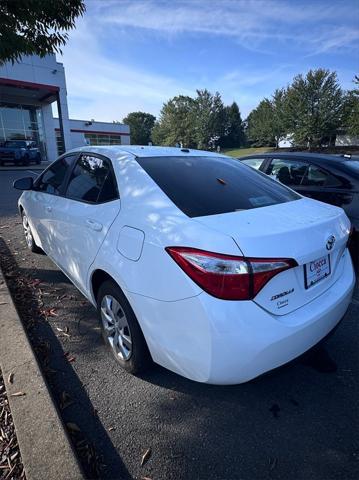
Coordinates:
[201,186]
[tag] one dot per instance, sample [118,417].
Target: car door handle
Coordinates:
[97,226]
[48,208]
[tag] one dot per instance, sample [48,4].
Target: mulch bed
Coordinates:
[11,467]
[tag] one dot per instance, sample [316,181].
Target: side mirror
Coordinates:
[24,183]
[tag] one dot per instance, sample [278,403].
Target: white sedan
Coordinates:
[193,260]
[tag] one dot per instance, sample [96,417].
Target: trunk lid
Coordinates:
[300,230]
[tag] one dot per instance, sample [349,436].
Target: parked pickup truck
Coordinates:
[19,152]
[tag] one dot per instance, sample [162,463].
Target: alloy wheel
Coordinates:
[116,327]
[27,231]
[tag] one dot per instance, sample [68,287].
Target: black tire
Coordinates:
[38,159]
[26,160]
[139,358]
[30,242]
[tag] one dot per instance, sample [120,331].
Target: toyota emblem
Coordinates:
[330,242]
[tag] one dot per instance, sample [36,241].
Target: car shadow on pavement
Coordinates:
[96,452]
[298,421]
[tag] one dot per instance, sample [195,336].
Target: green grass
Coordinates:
[241,152]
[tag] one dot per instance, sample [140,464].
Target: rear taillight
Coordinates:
[227,276]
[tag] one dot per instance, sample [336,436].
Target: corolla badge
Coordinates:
[330,242]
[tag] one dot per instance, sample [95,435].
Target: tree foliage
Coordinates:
[35,27]
[200,122]
[314,107]
[175,124]
[260,129]
[311,110]
[351,109]
[141,125]
[233,127]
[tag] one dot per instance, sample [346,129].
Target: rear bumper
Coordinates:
[228,342]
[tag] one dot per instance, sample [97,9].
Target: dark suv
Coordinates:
[21,152]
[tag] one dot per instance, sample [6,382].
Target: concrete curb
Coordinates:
[45,447]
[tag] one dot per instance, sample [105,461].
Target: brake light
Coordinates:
[228,277]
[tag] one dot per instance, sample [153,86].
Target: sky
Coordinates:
[134,55]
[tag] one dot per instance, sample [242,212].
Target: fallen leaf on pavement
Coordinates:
[65,401]
[146,478]
[73,427]
[111,428]
[10,378]
[63,331]
[3,303]
[273,463]
[145,456]
[49,312]
[17,394]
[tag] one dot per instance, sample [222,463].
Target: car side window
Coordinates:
[253,162]
[288,172]
[53,178]
[92,180]
[316,177]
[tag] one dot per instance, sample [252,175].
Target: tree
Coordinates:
[351,110]
[279,115]
[314,107]
[233,135]
[35,27]
[176,123]
[209,119]
[260,125]
[141,125]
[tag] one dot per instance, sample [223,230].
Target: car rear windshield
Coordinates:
[201,186]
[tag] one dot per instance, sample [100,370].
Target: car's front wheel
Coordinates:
[26,160]
[30,242]
[121,330]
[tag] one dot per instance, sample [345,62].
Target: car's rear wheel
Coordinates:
[121,330]
[30,242]
[38,159]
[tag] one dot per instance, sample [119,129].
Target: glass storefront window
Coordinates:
[102,139]
[22,122]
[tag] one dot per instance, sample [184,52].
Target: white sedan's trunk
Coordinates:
[299,230]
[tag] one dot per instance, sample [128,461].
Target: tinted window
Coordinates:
[211,185]
[254,162]
[91,180]
[52,179]
[289,172]
[316,177]
[352,166]
[15,144]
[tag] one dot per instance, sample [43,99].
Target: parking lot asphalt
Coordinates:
[300,421]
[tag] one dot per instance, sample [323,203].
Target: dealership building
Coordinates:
[28,89]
